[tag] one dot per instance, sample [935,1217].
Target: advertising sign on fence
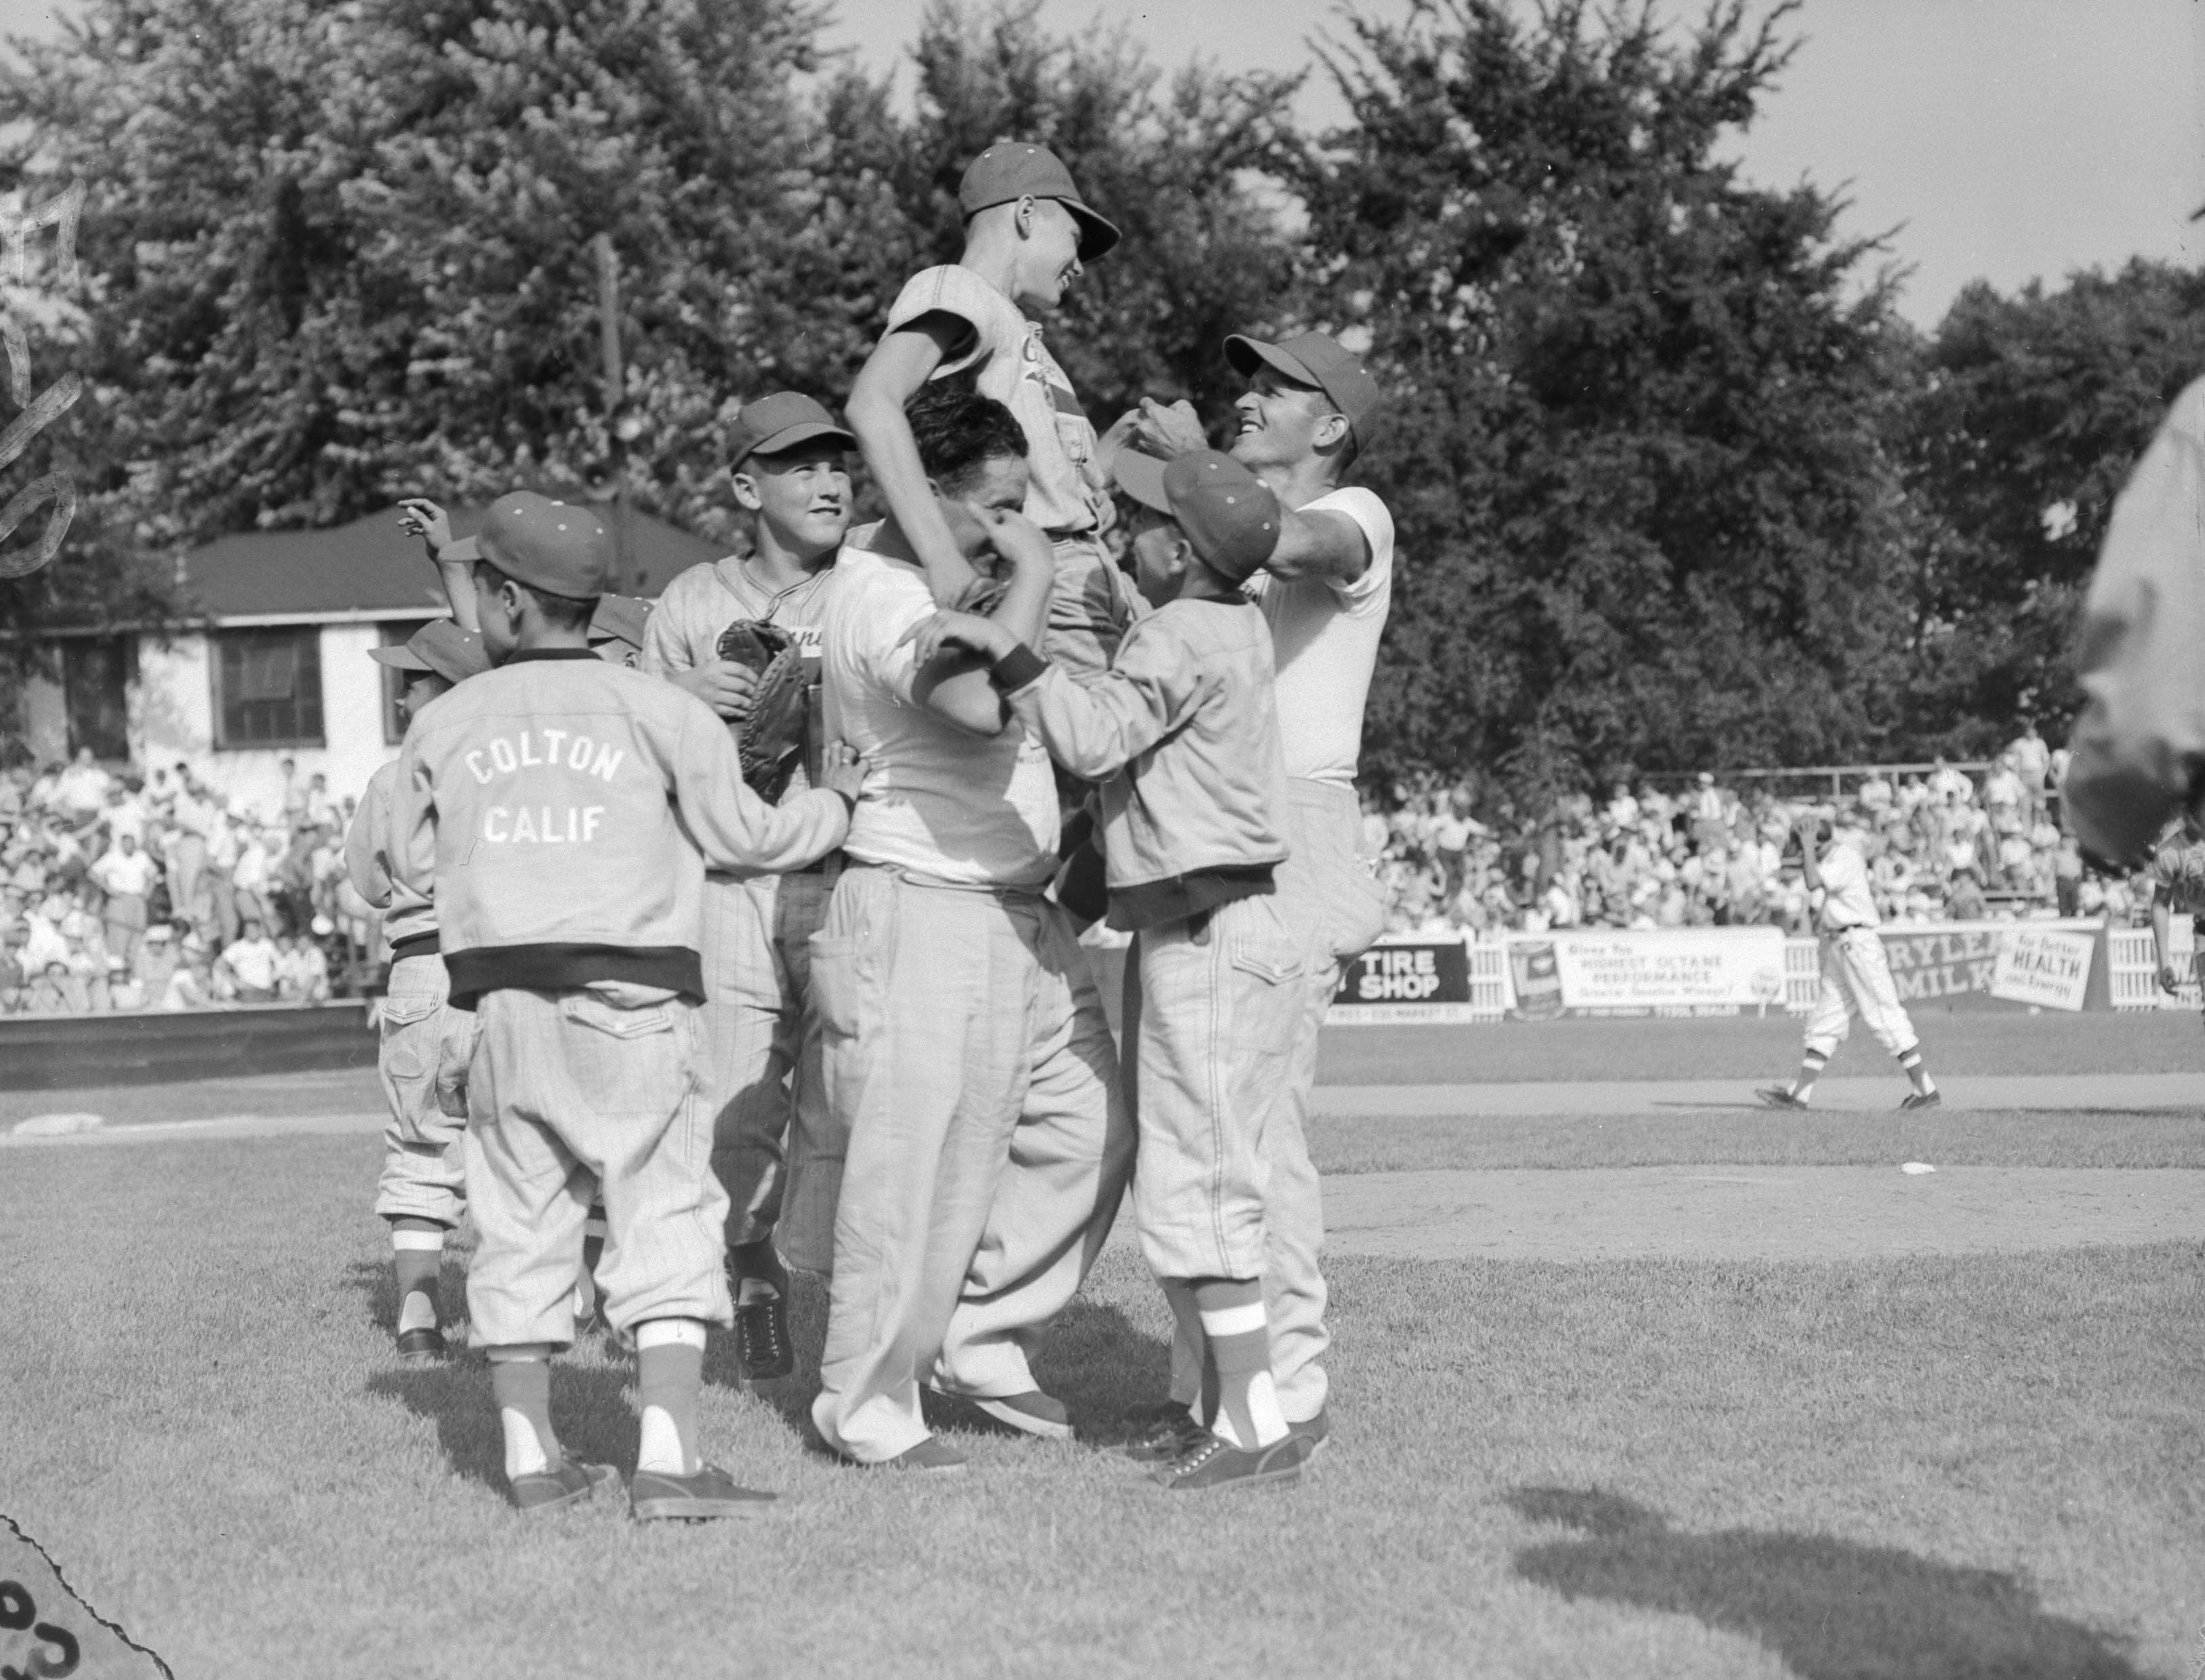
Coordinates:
[1673,971]
[1997,964]
[1419,980]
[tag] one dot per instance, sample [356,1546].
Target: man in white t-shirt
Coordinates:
[966,1054]
[126,875]
[250,962]
[1308,412]
[1856,973]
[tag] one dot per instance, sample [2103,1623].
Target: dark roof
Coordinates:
[372,566]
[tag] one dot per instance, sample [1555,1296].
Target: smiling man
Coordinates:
[792,482]
[1306,415]
[1027,237]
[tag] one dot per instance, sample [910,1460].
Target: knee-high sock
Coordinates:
[416,1255]
[1237,1334]
[669,1361]
[520,1382]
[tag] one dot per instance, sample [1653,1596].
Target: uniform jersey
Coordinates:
[367,862]
[2177,871]
[684,630]
[1848,899]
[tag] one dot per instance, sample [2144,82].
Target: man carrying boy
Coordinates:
[1027,236]
[793,484]
[425,1044]
[562,811]
[1182,732]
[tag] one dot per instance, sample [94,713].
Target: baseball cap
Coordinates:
[1227,512]
[1318,359]
[1010,170]
[620,618]
[441,649]
[779,422]
[554,546]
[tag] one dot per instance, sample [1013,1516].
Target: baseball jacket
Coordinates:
[1182,731]
[411,928]
[562,811]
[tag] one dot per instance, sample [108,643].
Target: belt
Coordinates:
[414,945]
[830,864]
[995,889]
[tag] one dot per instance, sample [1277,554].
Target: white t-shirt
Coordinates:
[133,875]
[253,961]
[1848,901]
[937,799]
[1325,636]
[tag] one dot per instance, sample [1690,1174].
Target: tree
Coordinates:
[2032,411]
[1647,516]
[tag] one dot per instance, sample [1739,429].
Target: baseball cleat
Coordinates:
[1922,1100]
[1160,1431]
[762,1344]
[930,1457]
[565,1482]
[1778,1096]
[653,1496]
[1214,1467]
[424,1342]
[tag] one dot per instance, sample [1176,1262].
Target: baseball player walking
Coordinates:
[2178,888]
[1856,973]
[770,1147]
[560,811]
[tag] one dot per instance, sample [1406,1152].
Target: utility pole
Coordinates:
[614,392]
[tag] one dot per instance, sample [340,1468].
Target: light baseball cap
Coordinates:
[1318,359]
[1227,512]
[779,422]
[554,546]
[1010,170]
[441,649]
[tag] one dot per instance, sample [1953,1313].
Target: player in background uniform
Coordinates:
[1183,733]
[792,483]
[1856,973]
[2178,888]
[1026,236]
[425,1045]
[562,812]
[1309,409]
[968,1059]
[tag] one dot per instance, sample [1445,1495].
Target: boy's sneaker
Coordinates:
[421,1343]
[1214,1467]
[763,1347]
[565,1482]
[1159,1431]
[1922,1100]
[1033,1413]
[653,1496]
[1317,1431]
[1778,1096]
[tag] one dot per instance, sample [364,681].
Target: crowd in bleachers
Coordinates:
[1942,844]
[123,893]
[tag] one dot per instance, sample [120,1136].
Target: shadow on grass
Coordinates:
[377,1287]
[589,1412]
[1101,1365]
[1832,1610]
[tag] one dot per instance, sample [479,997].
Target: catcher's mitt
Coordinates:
[770,740]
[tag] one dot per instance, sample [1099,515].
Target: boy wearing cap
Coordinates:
[791,480]
[562,811]
[1183,734]
[1027,236]
[425,1045]
[1308,412]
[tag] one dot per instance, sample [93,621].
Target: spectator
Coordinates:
[126,876]
[57,992]
[247,967]
[81,791]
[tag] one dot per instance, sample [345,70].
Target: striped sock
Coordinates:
[520,1383]
[1910,1063]
[1810,1069]
[669,1368]
[416,1256]
[1238,1335]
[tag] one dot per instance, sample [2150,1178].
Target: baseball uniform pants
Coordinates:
[1213,1007]
[776,1149]
[968,1057]
[569,1094]
[1326,896]
[423,1065]
[1856,980]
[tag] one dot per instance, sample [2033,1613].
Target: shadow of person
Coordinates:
[590,1410]
[1831,1609]
[378,1288]
[1102,1365]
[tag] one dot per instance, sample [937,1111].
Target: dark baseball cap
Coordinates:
[620,618]
[1010,170]
[779,422]
[1227,512]
[554,546]
[1318,359]
[441,649]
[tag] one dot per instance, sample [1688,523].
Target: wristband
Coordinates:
[1017,668]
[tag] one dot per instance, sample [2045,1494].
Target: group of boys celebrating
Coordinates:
[669,1015]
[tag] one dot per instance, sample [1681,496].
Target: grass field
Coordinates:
[1933,1468]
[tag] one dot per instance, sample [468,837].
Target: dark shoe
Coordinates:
[1214,1467]
[930,1457]
[1159,1431]
[1778,1096]
[565,1482]
[1033,1413]
[426,1343]
[762,1344]
[653,1496]
[1317,1431]
[1922,1100]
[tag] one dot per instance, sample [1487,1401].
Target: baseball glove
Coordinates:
[770,741]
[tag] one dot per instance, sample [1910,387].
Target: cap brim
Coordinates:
[1244,355]
[400,657]
[795,437]
[1098,235]
[1142,477]
[467,549]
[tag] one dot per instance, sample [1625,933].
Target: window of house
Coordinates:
[394,682]
[268,687]
[96,674]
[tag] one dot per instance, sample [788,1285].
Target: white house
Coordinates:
[270,660]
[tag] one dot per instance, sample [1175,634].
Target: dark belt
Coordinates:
[833,860]
[414,945]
